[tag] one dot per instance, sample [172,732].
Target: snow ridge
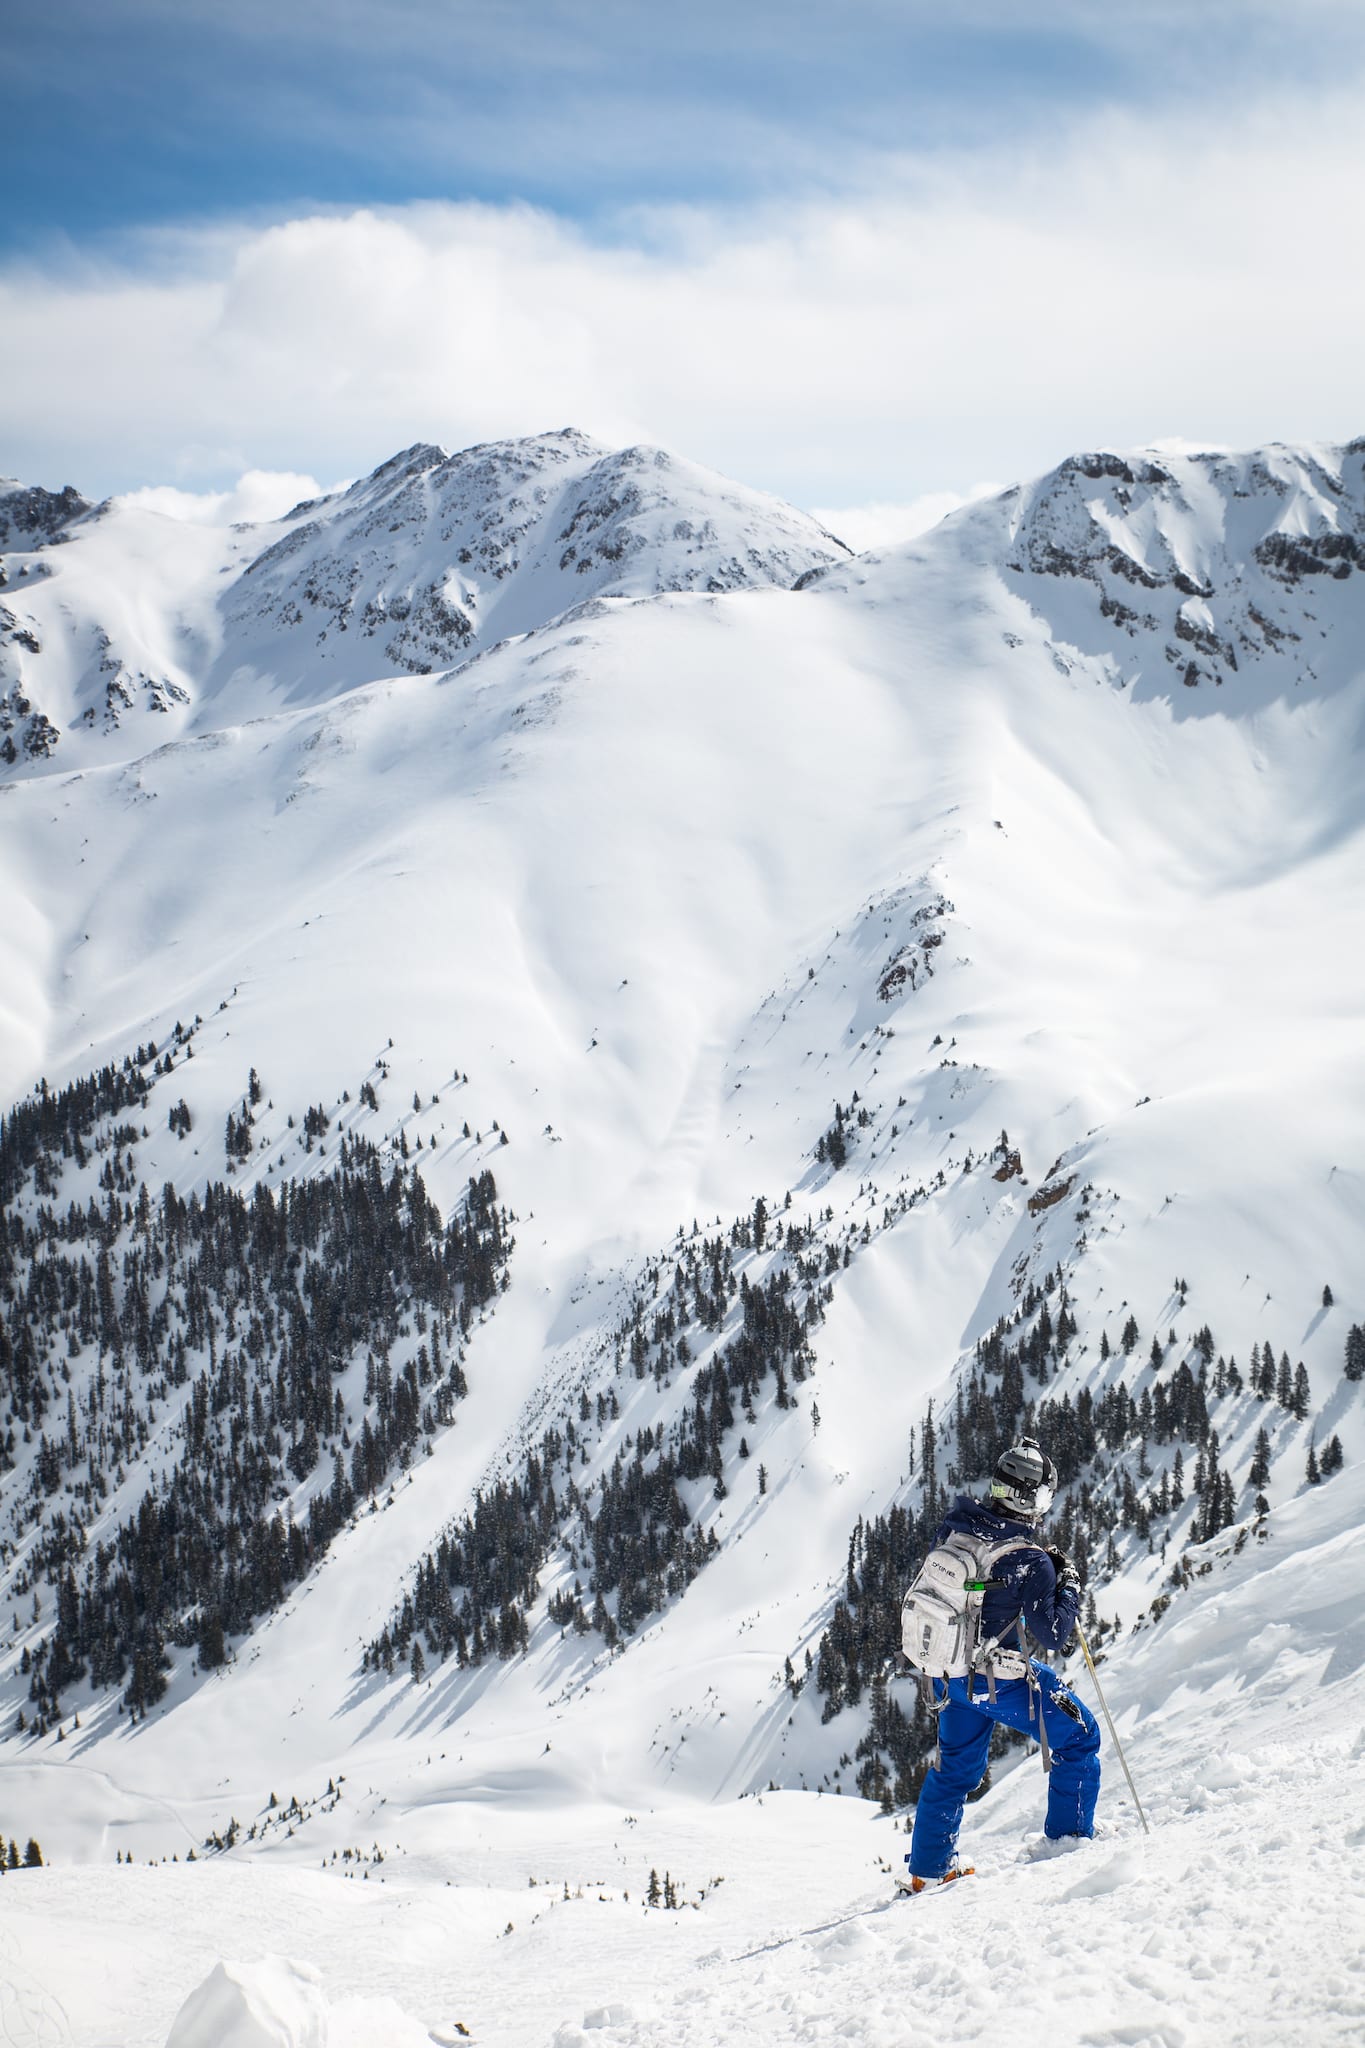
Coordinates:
[1166,573]
[431,558]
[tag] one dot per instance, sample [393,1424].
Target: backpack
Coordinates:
[941,1612]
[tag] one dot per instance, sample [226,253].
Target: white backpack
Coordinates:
[941,1612]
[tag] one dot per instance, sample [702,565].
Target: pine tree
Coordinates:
[1259,1474]
[1227,1505]
[1284,1383]
[1327,1297]
[654,1896]
[1355,1352]
[1303,1395]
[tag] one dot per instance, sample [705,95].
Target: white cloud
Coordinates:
[257,494]
[958,319]
[863,527]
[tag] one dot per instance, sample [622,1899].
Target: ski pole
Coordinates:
[1113,1731]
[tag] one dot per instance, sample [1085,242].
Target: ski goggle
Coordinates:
[1043,1494]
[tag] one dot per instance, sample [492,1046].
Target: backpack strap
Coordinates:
[992,1643]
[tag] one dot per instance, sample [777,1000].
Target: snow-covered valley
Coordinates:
[986,910]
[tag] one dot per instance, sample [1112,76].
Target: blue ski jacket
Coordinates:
[1029,1579]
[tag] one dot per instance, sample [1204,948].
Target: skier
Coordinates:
[1027,1584]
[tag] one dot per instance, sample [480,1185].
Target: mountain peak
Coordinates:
[30,516]
[430,558]
[435,556]
[1175,573]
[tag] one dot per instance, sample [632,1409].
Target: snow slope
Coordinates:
[1238,1921]
[655,876]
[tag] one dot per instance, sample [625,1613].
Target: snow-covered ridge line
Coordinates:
[413,568]
[1165,572]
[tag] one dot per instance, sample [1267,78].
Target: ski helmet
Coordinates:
[1024,1481]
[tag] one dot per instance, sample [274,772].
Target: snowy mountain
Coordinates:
[430,560]
[1206,570]
[916,986]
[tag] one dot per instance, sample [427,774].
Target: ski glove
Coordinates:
[1066,1570]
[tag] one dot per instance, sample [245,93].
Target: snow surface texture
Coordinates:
[657,875]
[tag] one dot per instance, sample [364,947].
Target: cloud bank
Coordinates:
[950,320]
[257,494]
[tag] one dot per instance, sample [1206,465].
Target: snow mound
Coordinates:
[1119,1870]
[275,2003]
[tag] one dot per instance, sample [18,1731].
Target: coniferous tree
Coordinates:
[1284,1383]
[1259,1473]
[1355,1352]
[251,1304]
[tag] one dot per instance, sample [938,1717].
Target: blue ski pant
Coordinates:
[964,1740]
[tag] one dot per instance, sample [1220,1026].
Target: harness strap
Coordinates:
[935,1706]
[1035,1711]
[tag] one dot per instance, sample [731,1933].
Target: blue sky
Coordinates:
[206,203]
[191,110]
[131,112]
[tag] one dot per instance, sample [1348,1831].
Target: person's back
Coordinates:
[1024,1582]
[1029,1587]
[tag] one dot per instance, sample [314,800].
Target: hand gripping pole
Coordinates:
[1113,1731]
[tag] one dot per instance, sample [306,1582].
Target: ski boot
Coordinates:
[913,1886]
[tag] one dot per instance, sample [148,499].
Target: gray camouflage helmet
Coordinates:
[1024,1481]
